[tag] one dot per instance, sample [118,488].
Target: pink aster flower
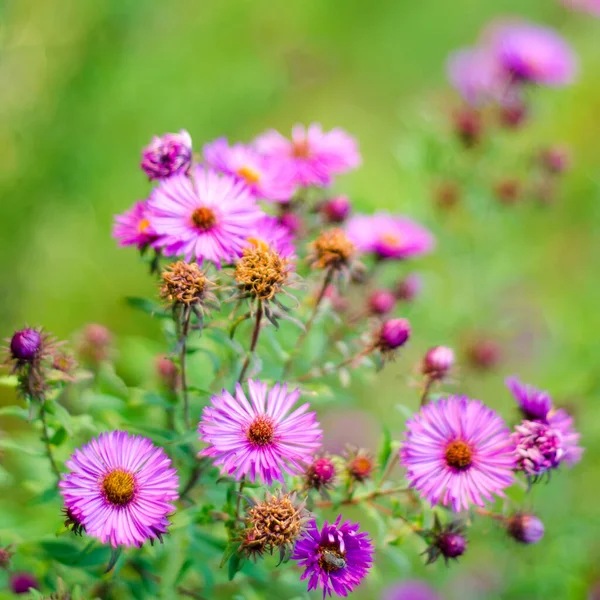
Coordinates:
[275,235]
[533,54]
[533,403]
[167,155]
[206,217]
[589,6]
[266,178]
[120,488]
[389,236]
[458,451]
[336,559]
[315,156]
[539,447]
[258,437]
[133,228]
[562,421]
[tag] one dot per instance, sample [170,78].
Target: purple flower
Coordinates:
[539,447]
[336,559]
[589,6]
[275,235]
[533,403]
[120,488]
[207,218]
[477,75]
[410,590]
[21,583]
[267,178]
[458,451]
[25,345]
[314,155]
[258,437]
[525,528]
[133,228]
[560,420]
[533,54]
[389,236]
[167,155]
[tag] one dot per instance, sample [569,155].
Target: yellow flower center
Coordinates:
[261,431]
[143,226]
[250,175]
[204,218]
[459,455]
[118,487]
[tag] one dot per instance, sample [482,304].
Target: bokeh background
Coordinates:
[85,84]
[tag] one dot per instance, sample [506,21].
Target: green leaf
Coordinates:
[146,306]
[59,437]
[230,550]
[8,444]
[110,383]
[14,411]
[386,448]
[236,562]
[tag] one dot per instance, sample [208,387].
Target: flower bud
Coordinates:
[336,210]
[508,191]
[437,362]
[468,125]
[525,528]
[6,554]
[25,344]
[451,545]
[167,155]
[96,343]
[359,465]
[167,372]
[484,354]
[381,302]
[555,159]
[393,334]
[21,583]
[447,195]
[320,474]
[408,288]
[513,115]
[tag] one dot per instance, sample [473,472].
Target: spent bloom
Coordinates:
[533,403]
[267,178]
[315,156]
[256,435]
[359,464]
[206,217]
[525,528]
[458,451]
[336,558]
[185,284]
[332,250]
[167,155]
[133,228]
[120,487]
[531,53]
[389,236]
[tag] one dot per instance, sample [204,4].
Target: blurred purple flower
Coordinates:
[533,403]
[457,451]
[167,155]
[258,437]
[410,590]
[336,210]
[21,583]
[120,488]
[133,228]
[267,178]
[206,218]
[562,421]
[275,235]
[389,236]
[589,6]
[336,558]
[525,528]
[314,155]
[539,447]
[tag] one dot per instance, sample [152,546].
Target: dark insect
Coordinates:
[335,561]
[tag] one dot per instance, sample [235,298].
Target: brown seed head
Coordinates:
[332,249]
[275,523]
[183,283]
[261,272]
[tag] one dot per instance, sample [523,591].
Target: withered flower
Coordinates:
[333,251]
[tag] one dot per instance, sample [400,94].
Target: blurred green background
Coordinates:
[85,84]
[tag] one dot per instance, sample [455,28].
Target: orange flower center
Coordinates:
[118,487]
[301,149]
[143,226]
[204,218]
[459,455]
[391,239]
[250,175]
[261,431]
[330,558]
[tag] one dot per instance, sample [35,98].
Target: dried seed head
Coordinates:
[184,283]
[273,524]
[261,272]
[331,250]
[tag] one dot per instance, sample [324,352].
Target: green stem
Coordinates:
[186,317]
[253,343]
[46,440]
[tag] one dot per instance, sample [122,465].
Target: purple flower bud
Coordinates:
[393,334]
[451,545]
[320,474]
[525,528]
[167,155]
[336,210]
[513,114]
[468,125]
[437,362]
[484,354]
[555,159]
[21,583]
[381,302]
[167,372]
[25,344]
[409,288]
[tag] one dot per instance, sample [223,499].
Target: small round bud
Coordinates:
[336,210]
[513,115]
[393,334]
[484,354]
[21,583]
[468,125]
[381,302]
[437,362]
[447,195]
[359,465]
[96,343]
[320,474]
[451,545]
[25,344]
[167,372]
[409,288]
[525,528]
[167,155]
[508,191]
[5,556]
[556,159]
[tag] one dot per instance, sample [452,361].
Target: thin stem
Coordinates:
[194,477]
[239,499]
[365,498]
[46,440]
[390,465]
[426,389]
[348,361]
[309,323]
[186,317]
[253,343]
[488,513]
